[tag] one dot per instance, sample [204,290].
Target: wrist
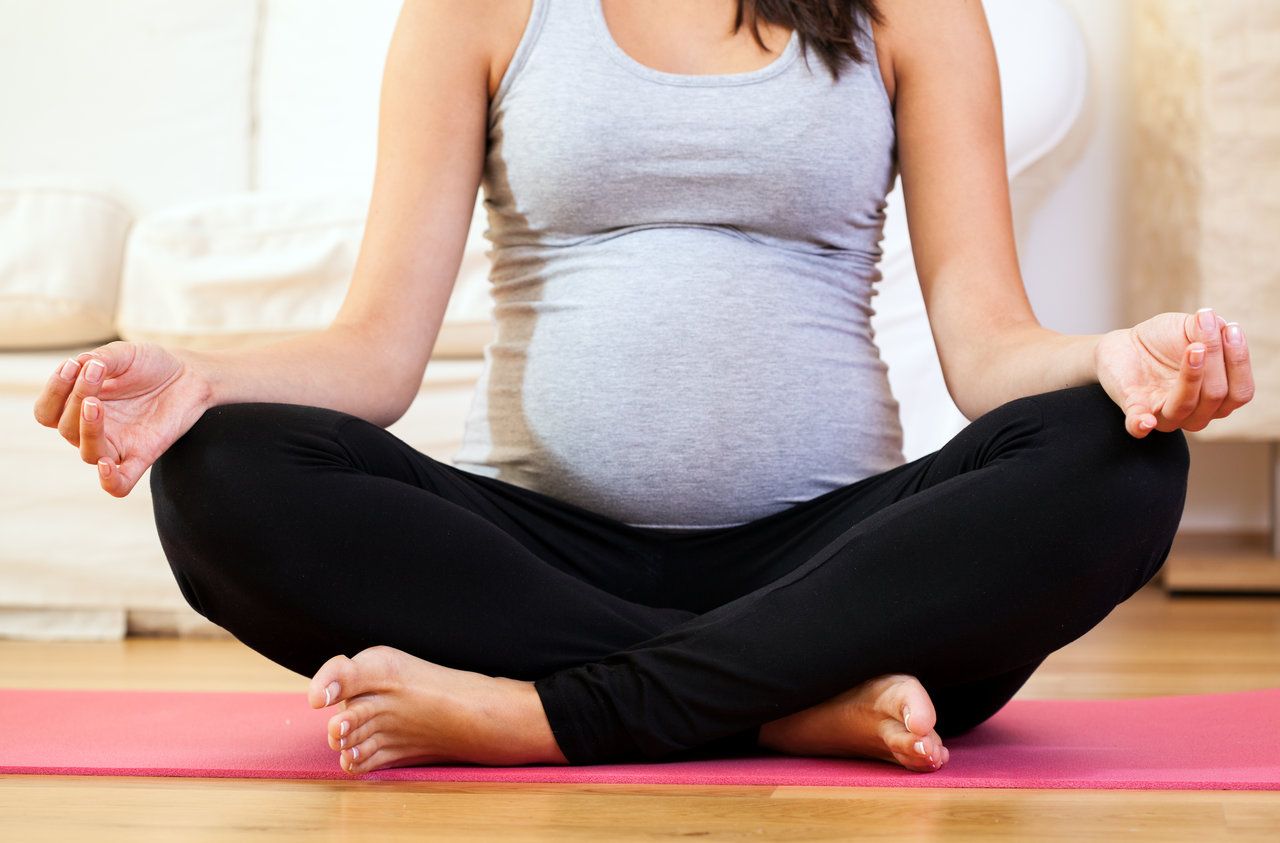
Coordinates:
[1098,342]
[1069,359]
[202,372]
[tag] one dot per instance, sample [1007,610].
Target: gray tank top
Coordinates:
[682,272]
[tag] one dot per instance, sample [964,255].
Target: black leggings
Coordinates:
[308,532]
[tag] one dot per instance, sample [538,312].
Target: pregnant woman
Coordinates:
[680,520]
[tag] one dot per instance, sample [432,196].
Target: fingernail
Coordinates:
[104,467]
[93,371]
[1207,320]
[343,730]
[330,692]
[1197,357]
[919,747]
[68,371]
[1234,335]
[90,409]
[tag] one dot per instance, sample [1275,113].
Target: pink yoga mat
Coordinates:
[1209,741]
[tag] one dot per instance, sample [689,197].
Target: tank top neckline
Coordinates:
[623,58]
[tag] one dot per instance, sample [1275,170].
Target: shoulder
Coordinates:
[920,36]
[506,21]
[478,32]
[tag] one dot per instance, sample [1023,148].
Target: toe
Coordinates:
[915,709]
[372,669]
[339,727]
[377,761]
[334,681]
[914,751]
[357,734]
[358,758]
[356,715]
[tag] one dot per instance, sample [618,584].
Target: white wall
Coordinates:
[1074,258]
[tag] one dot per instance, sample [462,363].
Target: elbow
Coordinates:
[960,382]
[384,402]
[394,409]
[966,408]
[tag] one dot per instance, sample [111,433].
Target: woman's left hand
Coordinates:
[1175,370]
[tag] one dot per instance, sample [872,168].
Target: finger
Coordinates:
[1139,421]
[1185,395]
[93,426]
[1213,385]
[1240,386]
[118,479]
[53,397]
[88,383]
[1138,418]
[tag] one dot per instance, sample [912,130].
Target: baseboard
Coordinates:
[61,624]
[1221,563]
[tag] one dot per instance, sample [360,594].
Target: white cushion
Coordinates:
[258,267]
[239,269]
[151,94]
[60,252]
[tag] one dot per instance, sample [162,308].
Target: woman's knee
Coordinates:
[231,444]
[218,483]
[1127,493]
[1087,427]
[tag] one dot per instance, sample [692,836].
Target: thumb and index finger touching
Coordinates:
[1200,358]
[1181,400]
[69,402]
[117,476]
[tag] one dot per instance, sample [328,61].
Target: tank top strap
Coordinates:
[560,36]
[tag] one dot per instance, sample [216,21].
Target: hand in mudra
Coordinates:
[122,405]
[1175,371]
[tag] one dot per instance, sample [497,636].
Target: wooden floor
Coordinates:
[1153,644]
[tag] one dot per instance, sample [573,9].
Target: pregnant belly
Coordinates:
[682,377]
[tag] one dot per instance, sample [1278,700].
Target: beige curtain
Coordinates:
[1206,170]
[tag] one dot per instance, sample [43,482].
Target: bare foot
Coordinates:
[399,710]
[890,718]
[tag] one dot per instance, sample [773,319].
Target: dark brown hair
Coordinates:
[826,26]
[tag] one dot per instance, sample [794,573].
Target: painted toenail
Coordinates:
[345,724]
[330,692]
[355,752]
[906,716]
[919,747]
[342,743]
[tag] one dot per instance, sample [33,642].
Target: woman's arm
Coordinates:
[1174,370]
[951,154]
[431,142]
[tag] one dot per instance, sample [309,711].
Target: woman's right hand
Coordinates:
[123,404]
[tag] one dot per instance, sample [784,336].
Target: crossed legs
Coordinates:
[309,533]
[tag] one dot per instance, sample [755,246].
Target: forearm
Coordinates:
[1019,360]
[339,367]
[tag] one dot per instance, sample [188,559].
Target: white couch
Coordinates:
[198,172]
